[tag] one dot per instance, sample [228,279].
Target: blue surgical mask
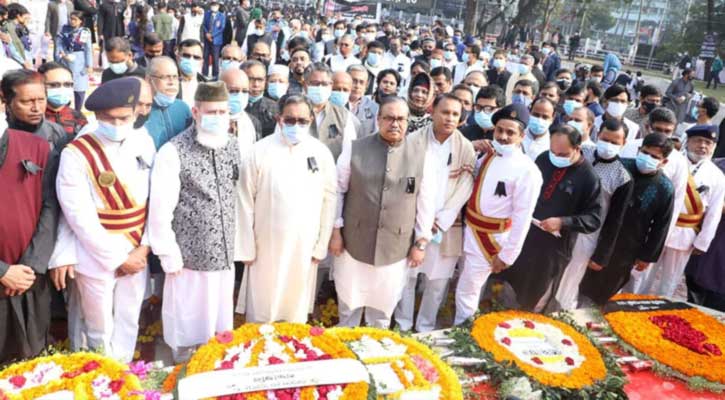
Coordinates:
[498,63]
[373,59]
[215,124]
[694,112]
[483,119]
[277,90]
[339,98]
[356,49]
[119,68]
[538,126]
[254,99]
[576,125]
[546,51]
[606,150]
[188,66]
[435,63]
[518,98]
[465,57]
[115,133]
[449,55]
[319,94]
[503,149]
[229,64]
[238,102]
[570,106]
[523,69]
[339,33]
[295,133]
[59,96]
[559,162]
[163,100]
[646,164]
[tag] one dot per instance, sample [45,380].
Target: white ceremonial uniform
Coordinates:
[534,145]
[287,214]
[522,180]
[677,171]
[376,289]
[462,69]
[437,268]
[338,63]
[631,126]
[663,277]
[110,304]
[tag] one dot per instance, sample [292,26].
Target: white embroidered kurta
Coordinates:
[378,286]
[286,219]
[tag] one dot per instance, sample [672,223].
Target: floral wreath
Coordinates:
[684,343]
[253,345]
[576,365]
[419,368]
[86,375]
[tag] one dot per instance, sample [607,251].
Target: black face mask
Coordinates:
[563,84]
[140,121]
[648,107]
[427,53]
[464,116]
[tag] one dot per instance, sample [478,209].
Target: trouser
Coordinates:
[76,325]
[211,50]
[663,277]
[714,76]
[79,96]
[352,318]
[568,291]
[475,273]
[433,293]
[111,309]
[707,298]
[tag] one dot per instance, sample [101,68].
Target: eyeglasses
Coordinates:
[296,121]
[238,91]
[187,55]
[57,85]
[391,120]
[168,78]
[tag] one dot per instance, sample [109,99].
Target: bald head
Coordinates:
[236,80]
[342,81]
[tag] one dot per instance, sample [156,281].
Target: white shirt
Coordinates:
[535,145]
[425,200]
[98,251]
[188,90]
[338,63]
[439,154]
[400,63]
[522,180]
[462,69]
[246,134]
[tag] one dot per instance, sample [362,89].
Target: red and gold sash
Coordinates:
[122,214]
[693,204]
[484,227]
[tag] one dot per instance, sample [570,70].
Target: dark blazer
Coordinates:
[110,20]
[51,18]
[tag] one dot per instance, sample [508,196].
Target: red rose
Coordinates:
[537,360]
[504,325]
[566,342]
[116,385]
[91,366]
[227,365]
[569,361]
[529,324]
[18,381]
[274,360]
[71,374]
[506,341]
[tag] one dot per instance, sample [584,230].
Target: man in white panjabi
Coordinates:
[240,124]
[104,177]
[454,159]
[699,214]
[387,198]
[288,198]
[499,213]
[192,223]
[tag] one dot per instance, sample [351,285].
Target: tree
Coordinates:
[599,17]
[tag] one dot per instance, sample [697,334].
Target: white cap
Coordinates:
[278,69]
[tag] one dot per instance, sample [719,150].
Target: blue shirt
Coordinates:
[165,123]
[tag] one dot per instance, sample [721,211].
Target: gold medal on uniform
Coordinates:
[106,179]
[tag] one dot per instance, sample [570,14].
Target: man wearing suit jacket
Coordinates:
[213,34]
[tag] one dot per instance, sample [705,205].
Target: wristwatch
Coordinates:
[421,245]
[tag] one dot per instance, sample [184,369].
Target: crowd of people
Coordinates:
[277,150]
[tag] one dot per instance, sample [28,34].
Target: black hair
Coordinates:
[51,65]
[649,90]
[492,92]
[596,88]
[447,96]
[711,106]
[376,45]
[659,140]
[572,134]
[117,44]
[596,68]
[15,78]
[15,9]
[296,43]
[189,43]
[382,74]
[289,99]
[563,70]
[526,83]
[613,125]
[576,88]
[615,90]
[445,71]
[662,114]
[151,39]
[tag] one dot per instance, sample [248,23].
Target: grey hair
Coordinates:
[247,65]
[528,57]
[662,114]
[291,99]
[356,68]
[348,36]
[230,46]
[392,100]
[157,62]
[317,67]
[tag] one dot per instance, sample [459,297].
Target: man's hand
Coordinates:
[483,146]
[497,265]
[315,262]
[58,276]
[337,244]
[135,262]
[594,266]
[697,252]
[208,37]
[415,257]
[640,265]
[18,278]
[551,224]
[5,37]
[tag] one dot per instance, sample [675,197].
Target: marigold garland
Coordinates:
[80,369]
[206,356]
[638,330]
[447,378]
[587,374]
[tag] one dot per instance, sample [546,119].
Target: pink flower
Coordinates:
[140,368]
[224,337]
[147,394]
[18,381]
[317,331]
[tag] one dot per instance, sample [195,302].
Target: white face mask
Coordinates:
[615,109]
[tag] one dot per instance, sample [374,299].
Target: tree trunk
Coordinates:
[471,21]
[710,12]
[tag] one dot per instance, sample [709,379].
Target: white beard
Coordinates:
[212,140]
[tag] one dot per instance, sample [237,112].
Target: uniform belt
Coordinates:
[693,221]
